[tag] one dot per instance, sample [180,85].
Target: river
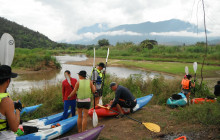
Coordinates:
[25,82]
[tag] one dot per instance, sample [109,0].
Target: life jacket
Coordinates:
[3,122]
[185,84]
[99,77]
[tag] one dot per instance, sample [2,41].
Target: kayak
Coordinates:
[102,112]
[202,100]
[177,100]
[51,131]
[91,134]
[30,109]
[45,120]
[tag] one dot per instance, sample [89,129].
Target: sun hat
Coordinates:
[5,72]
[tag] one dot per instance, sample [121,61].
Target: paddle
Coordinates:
[186,70]
[195,68]
[151,126]
[7,49]
[68,80]
[94,117]
[100,100]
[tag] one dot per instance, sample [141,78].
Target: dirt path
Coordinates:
[125,129]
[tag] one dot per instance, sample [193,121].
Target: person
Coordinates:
[9,110]
[123,98]
[83,88]
[97,79]
[187,85]
[67,87]
[217,89]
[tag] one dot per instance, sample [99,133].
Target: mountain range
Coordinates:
[159,31]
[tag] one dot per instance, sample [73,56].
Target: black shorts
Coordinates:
[85,105]
[127,104]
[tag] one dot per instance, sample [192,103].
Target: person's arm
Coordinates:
[117,96]
[93,88]
[74,91]
[192,84]
[13,119]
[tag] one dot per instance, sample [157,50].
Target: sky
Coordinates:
[61,19]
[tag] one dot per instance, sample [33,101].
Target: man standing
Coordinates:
[67,87]
[9,111]
[97,79]
[123,98]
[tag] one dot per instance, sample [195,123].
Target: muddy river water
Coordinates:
[39,80]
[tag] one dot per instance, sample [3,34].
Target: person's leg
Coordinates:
[119,109]
[79,120]
[187,96]
[73,107]
[65,112]
[96,100]
[84,121]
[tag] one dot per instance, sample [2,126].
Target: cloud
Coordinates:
[184,34]
[61,19]
[92,36]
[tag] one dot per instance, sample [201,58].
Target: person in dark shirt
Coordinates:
[217,89]
[123,98]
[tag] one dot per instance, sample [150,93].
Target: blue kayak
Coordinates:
[48,132]
[177,100]
[45,120]
[30,109]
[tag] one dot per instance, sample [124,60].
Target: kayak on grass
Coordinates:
[102,112]
[202,100]
[51,131]
[91,134]
[177,100]
[30,109]
[45,120]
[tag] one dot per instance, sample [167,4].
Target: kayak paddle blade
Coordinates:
[195,66]
[7,49]
[152,127]
[186,70]
[94,119]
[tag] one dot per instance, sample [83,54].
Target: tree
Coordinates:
[148,44]
[103,42]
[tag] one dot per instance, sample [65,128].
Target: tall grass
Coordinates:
[162,89]
[34,59]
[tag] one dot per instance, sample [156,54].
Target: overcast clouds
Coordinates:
[61,19]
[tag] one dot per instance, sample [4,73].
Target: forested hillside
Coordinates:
[24,37]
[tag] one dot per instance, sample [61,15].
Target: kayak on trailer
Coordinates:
[51,131]
[91,134]
[202,100]
[45,120]
[30,109]
[102,112]
[177,100]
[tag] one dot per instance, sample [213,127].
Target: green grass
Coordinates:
[171,67]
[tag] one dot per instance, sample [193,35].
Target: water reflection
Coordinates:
[27,81]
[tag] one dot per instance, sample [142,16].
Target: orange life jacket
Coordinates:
[185,83]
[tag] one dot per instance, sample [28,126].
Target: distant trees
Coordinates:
[103,42]
[148,44]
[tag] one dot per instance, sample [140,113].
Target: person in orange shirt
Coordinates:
[187,85]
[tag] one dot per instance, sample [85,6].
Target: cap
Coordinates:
[5,72]
[101,64]
[112,84]
[82,73]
